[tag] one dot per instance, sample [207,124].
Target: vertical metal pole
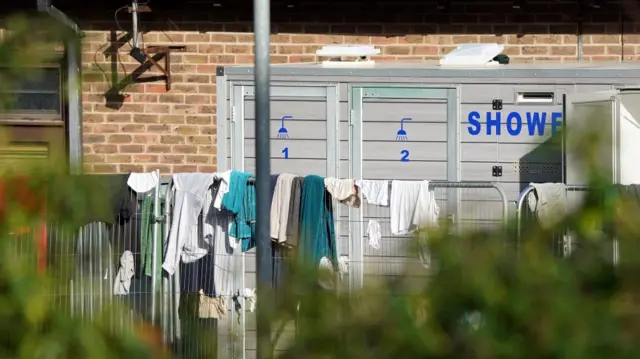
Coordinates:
[154,246]
[262,30]
[134,11]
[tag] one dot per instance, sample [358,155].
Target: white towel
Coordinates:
[376,192]
[143,182]
[373,232]
[125,273]
[343,266]
[326,273]
[404,199]
[250,295]
[191,190]
[549,202]
[426,215]
[427,210]
[344,190]
[280,207]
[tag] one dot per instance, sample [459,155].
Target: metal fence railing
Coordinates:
[88,259]
[463,206]
[560,241]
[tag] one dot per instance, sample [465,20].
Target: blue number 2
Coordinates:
[286,153]
[405,156]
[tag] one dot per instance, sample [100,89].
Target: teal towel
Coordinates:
[241,202]
[317,233]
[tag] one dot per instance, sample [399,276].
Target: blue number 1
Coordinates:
[286,153]
[405,156]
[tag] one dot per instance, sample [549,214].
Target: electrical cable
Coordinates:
[115,16]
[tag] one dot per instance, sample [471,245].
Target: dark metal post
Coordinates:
[262,30]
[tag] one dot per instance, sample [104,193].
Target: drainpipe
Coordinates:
[580,29]
[74,86]
[579,41]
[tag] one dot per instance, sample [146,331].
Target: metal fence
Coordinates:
[463,206]
[86,262]
[560,241]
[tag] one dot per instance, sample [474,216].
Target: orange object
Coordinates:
[28,201]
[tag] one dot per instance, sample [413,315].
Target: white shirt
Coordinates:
[183,240]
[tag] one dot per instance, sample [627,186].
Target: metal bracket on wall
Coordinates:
[496,171]
[496,105]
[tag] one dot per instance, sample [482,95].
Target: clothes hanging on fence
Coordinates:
[293,221]
[317,234]
[143,182]
[376,192]
[215,308]
[281,256]
[413,205]
[280,207]
[199,275]
[183,240]
[404,199]
[272,184]
[222,252]
[549,202]
[92,248]
[374,234]
[146,238]
[344,190]
[427,210]
[119,212]
[222,182]
[125,273]
[118,203]
[241,202]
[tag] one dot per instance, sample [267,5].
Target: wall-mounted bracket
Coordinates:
[153,52]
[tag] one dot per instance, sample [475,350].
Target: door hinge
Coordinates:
[233,114]
[350,117]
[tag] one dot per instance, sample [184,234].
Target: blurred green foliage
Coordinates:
[483,301]
[32,324]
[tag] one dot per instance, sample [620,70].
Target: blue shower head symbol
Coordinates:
[283,132]
[401,135]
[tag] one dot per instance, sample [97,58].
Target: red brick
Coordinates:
[142,118]
[237,49]
[126,168]
[172,139]
[177,159]
[131,148]
[184,168]
[159,149]
[104,168]
[105,148]
[146,158]
[119,139]
[304,39]
[185,149]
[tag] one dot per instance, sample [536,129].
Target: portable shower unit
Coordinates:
[418,121]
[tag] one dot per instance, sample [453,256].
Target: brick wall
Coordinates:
[175,130]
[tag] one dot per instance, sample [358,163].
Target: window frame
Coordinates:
[24,117]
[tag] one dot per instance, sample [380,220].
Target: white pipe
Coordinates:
[134,7]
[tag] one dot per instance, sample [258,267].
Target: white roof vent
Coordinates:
[338,53]
[472,55]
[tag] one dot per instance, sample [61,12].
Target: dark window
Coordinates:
[39,94]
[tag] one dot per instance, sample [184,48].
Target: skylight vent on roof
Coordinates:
[472,55]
